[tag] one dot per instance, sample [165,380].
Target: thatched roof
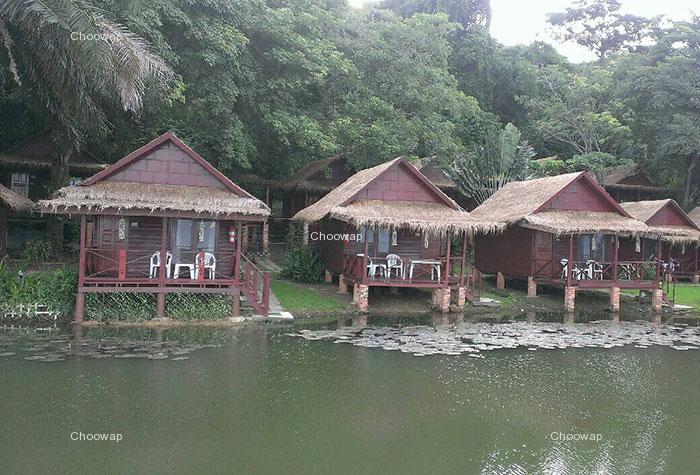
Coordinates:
[613,177]
[585,222]
[151,198]
[414,215]
[40,153]
[417,215]
[430,167]
[694,215]
[645,210]
[524,203]
[103,193]
[14,202]
[518,199]
[312,176]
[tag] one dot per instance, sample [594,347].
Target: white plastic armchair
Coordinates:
[394,262]
[209,265]
[155,264]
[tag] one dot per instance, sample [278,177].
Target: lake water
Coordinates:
[256,400]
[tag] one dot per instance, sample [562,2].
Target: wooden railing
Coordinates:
[256,285]
[411,273]
[597,270]
[110,266]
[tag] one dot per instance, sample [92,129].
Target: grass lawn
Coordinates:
[688,294]
[303,297]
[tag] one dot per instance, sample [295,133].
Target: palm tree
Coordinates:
[69,59]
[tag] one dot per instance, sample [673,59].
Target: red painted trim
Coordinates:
[586,176]
[416,173]
[152,145]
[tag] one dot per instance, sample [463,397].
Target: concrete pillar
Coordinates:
[531,287]
[500,281]
[328,277]
[461,297]
[445,300]
[363,298]
[569,299]
[266,237]
[615,299]
[436,298]
[79,307]
[342,285]
[656,300]
[160,305]
[236,302]
[696,279]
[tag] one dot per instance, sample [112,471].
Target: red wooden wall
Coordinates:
[397,184]
[510,252]
[167,165]
[580,195]
[668,216]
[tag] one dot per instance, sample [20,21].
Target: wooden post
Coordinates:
[447,260]
[658,258]
[570,264]
[266,292]
[616,259]
[200,265]
[80,296]
[162,272]
[364,257]
[237,268]
[122,264]
[464,260]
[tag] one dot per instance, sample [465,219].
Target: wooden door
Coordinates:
[542,251]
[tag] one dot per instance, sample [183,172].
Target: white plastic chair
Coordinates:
[209,264]
[393,261]
[564,268]
[594,270]
[155,264]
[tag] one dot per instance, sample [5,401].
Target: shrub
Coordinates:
[36,251]
[53,291]
[303,264]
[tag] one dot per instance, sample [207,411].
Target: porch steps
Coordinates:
[267,264]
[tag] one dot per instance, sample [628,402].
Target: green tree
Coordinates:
[661,90]
[578,112]
[599,26]
[468,13]
[502,158]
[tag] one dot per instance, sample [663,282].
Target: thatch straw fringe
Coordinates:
[15,202]
[645,210]
[586,222]
[152,197]
[434,218]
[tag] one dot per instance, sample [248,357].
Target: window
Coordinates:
[383,242]
[183,234]
[206,235]
[592,247]
[20,184]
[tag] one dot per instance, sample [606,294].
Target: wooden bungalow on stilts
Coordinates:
[163,220]
[564,231]
[678,251]
[389,226]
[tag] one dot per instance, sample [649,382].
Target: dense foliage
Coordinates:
[266,86]
[303,264]
[24,295]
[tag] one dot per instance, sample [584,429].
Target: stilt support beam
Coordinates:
[500,281]
[531,287]
[569,299]
[615,299]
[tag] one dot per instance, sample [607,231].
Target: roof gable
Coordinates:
[659,213]
[694,215]
[360,187]
[166,160]
[582,193]
[519,199]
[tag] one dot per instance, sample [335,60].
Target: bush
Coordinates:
[53,291]
[303,264]
[36,251]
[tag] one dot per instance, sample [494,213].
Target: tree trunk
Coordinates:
[688,191]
